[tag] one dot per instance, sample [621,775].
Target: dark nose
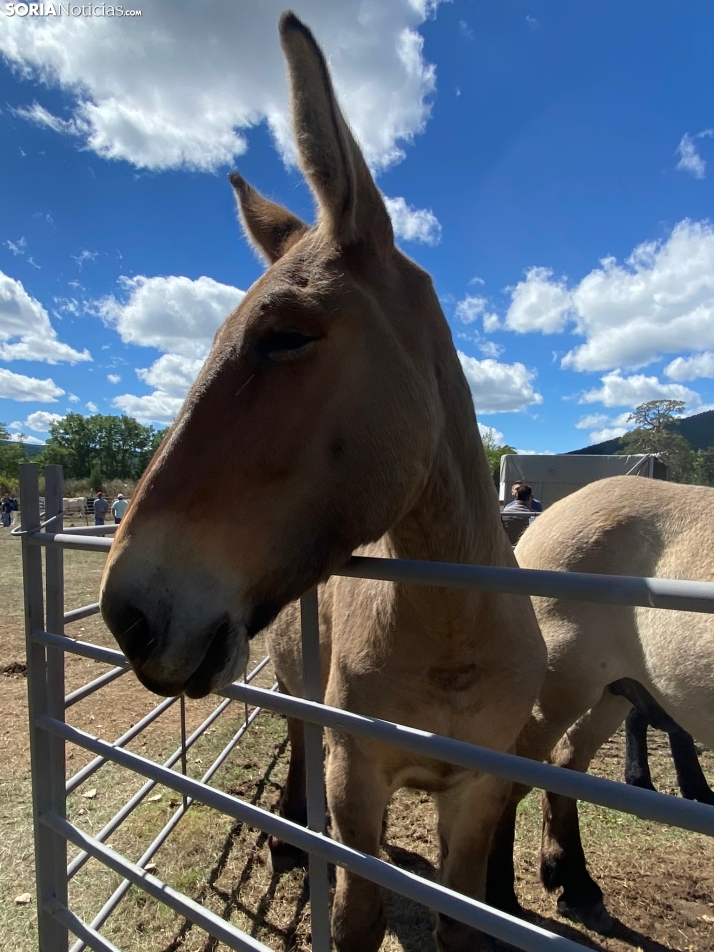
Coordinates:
[131,629]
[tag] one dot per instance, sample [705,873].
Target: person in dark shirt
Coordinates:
[535,504]
[100,507]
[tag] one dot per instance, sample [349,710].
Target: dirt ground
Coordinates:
[658,882]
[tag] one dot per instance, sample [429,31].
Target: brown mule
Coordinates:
[332,416]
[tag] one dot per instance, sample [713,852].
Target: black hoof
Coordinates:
[594,917]
[285,857]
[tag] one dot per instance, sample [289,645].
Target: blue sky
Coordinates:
[551,164]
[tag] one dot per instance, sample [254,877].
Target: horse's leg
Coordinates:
[468,815]
[692,781]
[293,803]
[357,796]
[562,857]
[637,768]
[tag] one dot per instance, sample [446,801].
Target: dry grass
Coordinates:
[659,882]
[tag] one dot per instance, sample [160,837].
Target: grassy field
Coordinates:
[658,882]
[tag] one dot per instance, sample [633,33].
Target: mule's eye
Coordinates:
[284,345]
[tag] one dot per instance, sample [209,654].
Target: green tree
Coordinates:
[12,453]
[704,467]
[654,433]
[101,446]
[494,452]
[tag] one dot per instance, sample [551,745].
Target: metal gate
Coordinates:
[45,619]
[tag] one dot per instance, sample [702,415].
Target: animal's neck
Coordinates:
[456,518]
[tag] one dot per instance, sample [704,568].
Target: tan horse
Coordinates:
[332,416]
[621,526]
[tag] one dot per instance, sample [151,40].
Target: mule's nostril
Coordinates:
[131,629]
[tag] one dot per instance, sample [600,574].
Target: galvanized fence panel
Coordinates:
[46,645]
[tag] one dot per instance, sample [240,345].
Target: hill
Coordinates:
[32,449]
[697,429]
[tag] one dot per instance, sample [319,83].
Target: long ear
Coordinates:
[270,228]
[350,205]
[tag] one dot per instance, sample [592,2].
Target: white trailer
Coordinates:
[553,477]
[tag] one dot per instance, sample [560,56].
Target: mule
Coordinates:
[331,417]
[600,656]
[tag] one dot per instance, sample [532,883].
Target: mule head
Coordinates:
[310,430]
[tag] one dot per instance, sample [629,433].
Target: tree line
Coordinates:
[93,448]
[655,431]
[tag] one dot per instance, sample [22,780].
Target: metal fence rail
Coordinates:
[47,645]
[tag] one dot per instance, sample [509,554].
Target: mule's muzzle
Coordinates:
[172,654]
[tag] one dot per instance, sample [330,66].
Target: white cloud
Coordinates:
[24,438]
[18,247]
[661,300]
[499,388]
[154,408]
[173,314]
[689,159]
[92,407]
[619,391]
[114,378]
[84,256]
[473,306]
[182,85]
[171,374]
[609,427]
[539,303]
[40,116]
[491,433]
[691,368]
[39,421]
[25,329]
[413,224]
[28,389]
[72,398]
[490,348]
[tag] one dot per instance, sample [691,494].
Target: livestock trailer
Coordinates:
[553,477]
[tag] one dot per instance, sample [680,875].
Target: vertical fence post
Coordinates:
[48,792]
[314,772]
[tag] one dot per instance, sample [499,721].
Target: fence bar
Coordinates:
[91,686]
[85,772]
[91,530]
[674,594]
[315,772]
[83,648]
[213,924]
[77,614]
[577,586]
[673,811]
[88,935]
[46,795]
[67,540]
[134,801]
[121,890]
[503,926]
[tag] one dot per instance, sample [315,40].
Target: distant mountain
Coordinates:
[32,449]
[697,429]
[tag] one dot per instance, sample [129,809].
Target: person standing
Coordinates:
[100,507]
[119,508]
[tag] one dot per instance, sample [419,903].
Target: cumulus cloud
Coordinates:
[114,378]
[173,314]
[497,387]
[619,391]
[154,407]
[659,301]
[473,307]
[689,158]
[602,427]
[28,389]
[539,303]
[181,87]
[413,224]
[25,329]
[691,368]
[39,421]
[491,434]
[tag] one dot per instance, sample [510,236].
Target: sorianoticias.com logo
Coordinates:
[68,10]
